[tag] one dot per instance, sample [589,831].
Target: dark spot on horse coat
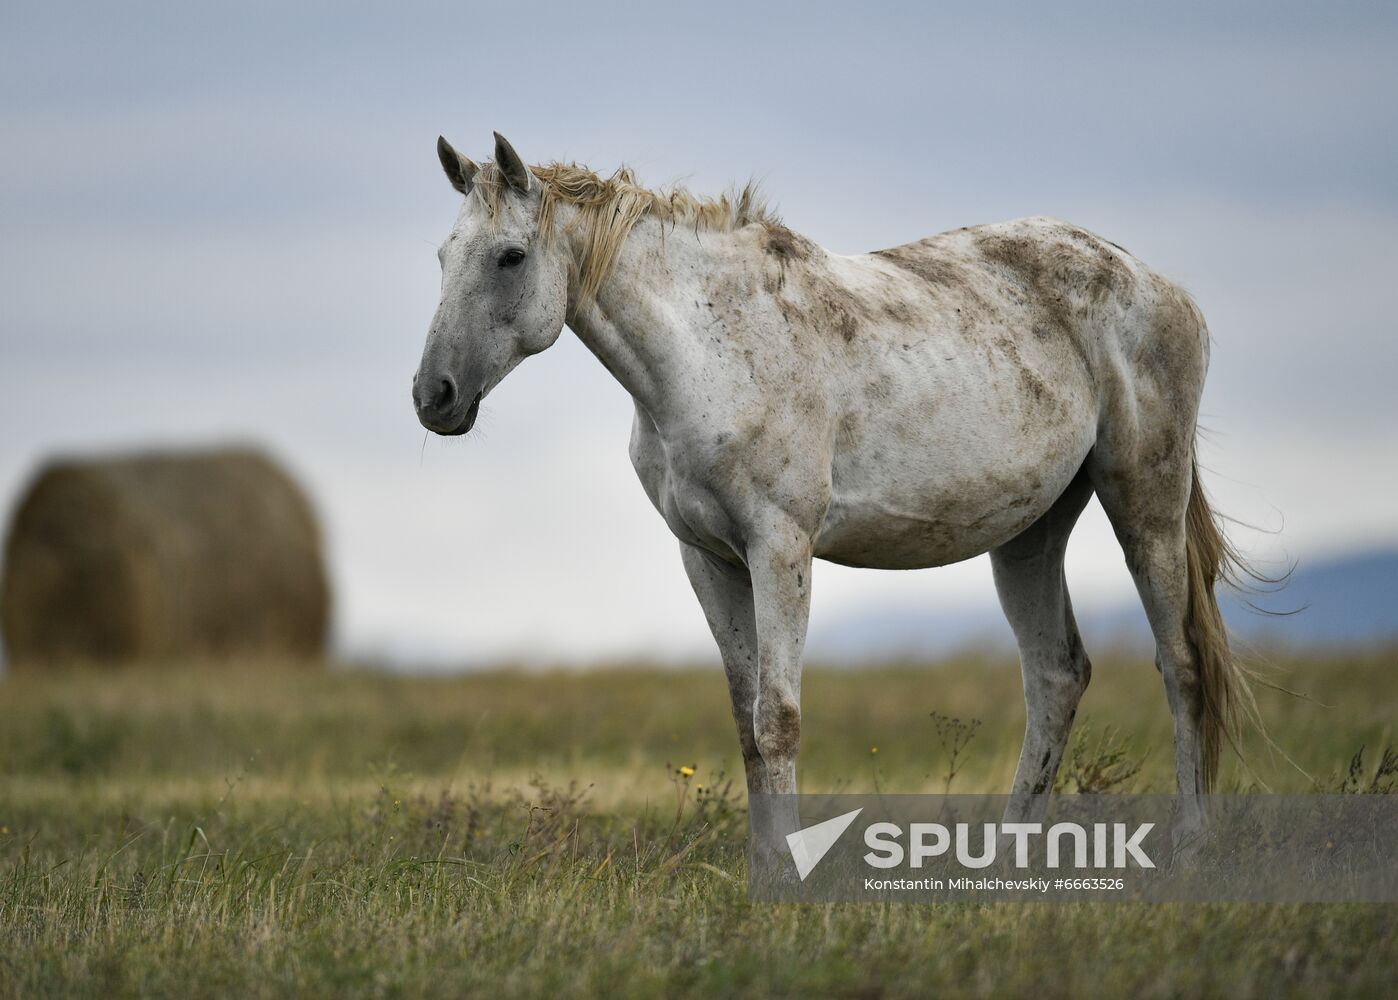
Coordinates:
[1045,775]
[819,304]
[1033,385]
[898,311]
[1023,258]
[1056,265]
[923,260]
[784,244]
[844,322]
[779,729]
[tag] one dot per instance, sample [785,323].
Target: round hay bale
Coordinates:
[209,554]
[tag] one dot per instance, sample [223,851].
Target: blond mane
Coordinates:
[609,207]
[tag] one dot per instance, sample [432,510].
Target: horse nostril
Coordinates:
[446,395]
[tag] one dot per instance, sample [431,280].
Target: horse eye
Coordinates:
[511,258]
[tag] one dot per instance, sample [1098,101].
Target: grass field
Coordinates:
[261,832]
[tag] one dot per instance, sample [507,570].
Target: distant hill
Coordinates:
[1349,600]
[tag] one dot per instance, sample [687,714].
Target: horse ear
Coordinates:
[460,171]
[511,166]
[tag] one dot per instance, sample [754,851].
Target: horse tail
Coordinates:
[1227,692]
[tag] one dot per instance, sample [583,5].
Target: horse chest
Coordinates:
[687,502]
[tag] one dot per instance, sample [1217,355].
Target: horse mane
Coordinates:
[610,207]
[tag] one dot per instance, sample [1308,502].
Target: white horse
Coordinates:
[899,409]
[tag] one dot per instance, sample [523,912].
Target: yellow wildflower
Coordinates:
[686,771]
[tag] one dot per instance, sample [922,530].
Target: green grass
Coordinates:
[256,832]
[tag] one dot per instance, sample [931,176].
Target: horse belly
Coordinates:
[948,495]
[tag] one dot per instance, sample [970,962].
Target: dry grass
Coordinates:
[266,833]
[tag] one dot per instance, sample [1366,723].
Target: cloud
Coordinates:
[224,226]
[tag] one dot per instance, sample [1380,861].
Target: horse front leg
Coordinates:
[780,567]
[758,619]
[725,594]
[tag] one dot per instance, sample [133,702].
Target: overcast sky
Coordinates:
[221,223]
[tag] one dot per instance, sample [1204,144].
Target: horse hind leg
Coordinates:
[1034,596]
[1177,554]
[1147,512]
[1143,469]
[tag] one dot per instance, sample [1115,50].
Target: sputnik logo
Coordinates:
[808,846]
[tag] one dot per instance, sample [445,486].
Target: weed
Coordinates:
[954,735]
[1383,780]
[1098,763]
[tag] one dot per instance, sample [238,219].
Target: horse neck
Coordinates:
[633,326]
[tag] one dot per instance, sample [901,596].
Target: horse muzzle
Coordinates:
[440,406]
